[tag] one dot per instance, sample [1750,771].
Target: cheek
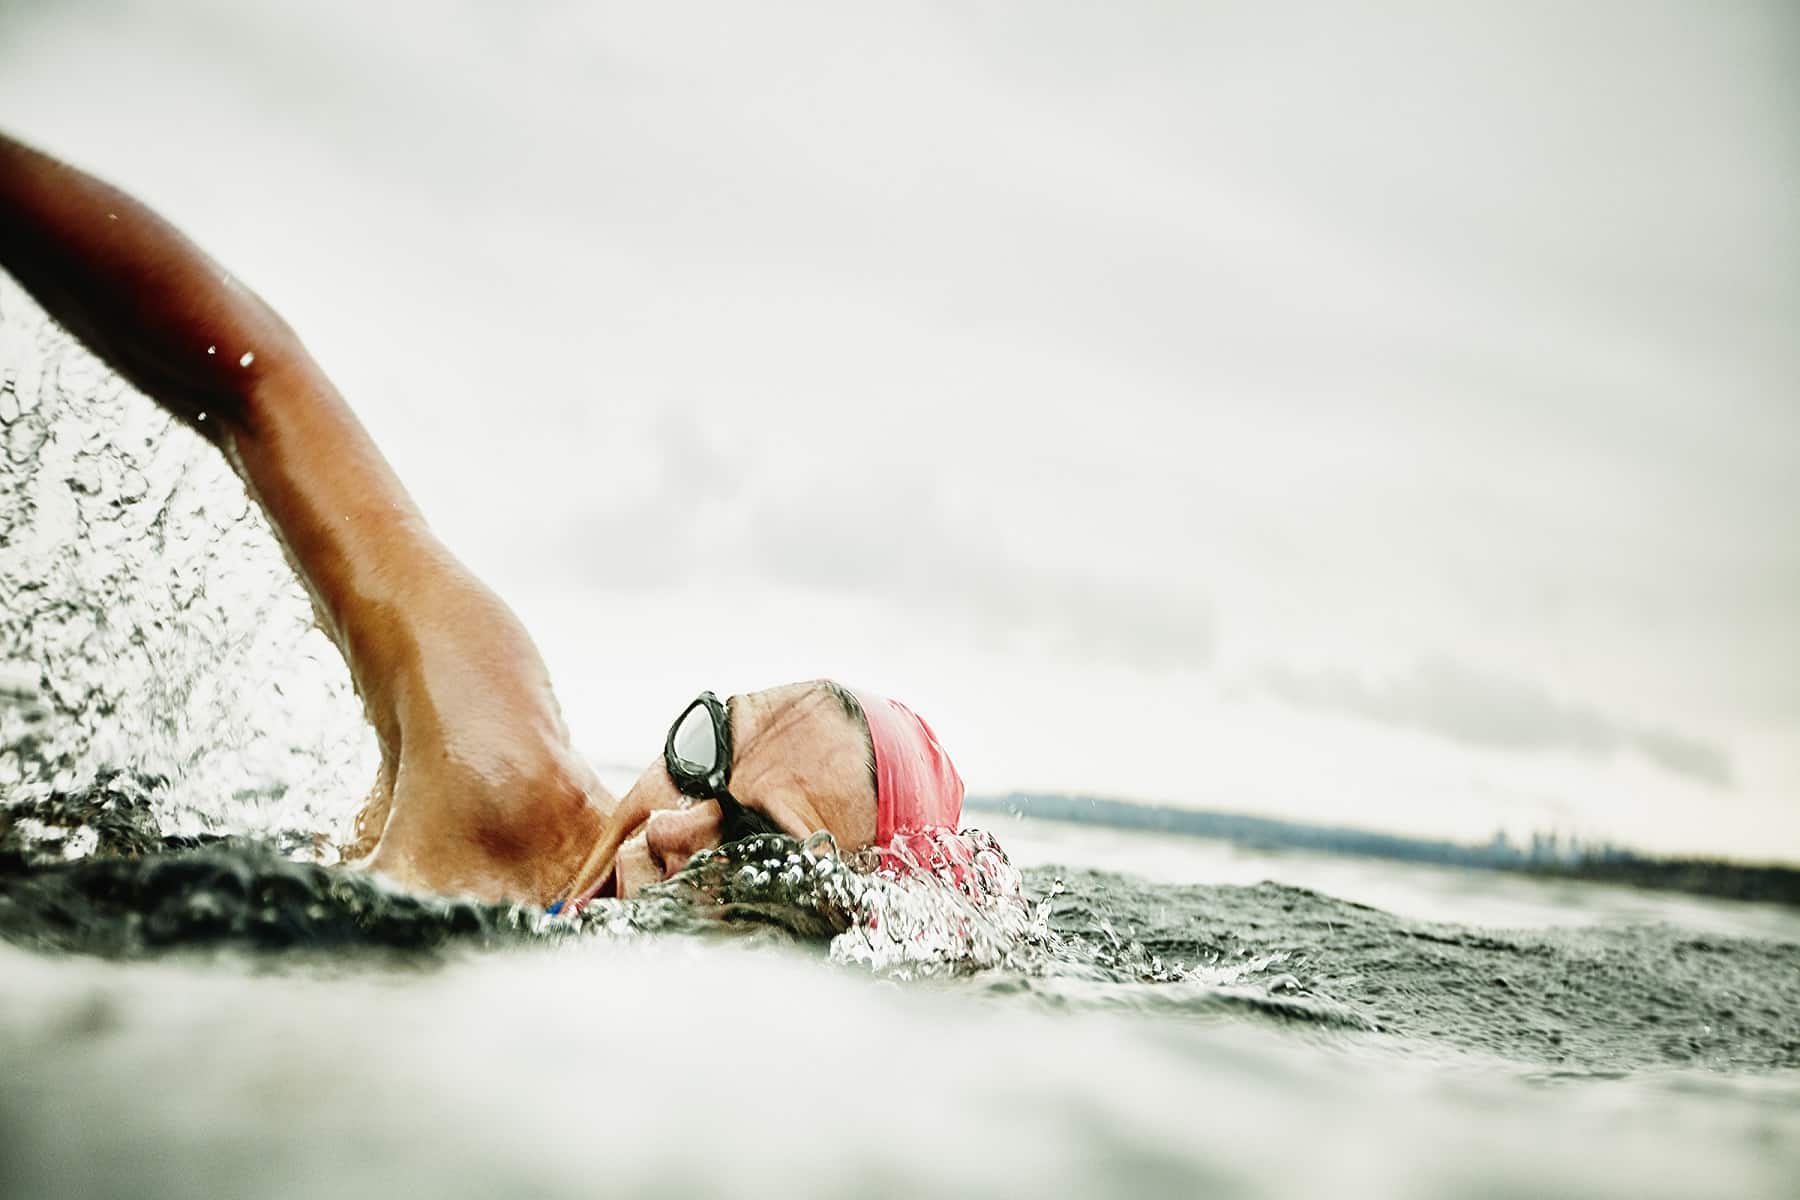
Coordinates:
[853,822]
[834,795]
[830,804]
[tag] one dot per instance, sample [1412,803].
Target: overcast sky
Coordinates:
[1381,415]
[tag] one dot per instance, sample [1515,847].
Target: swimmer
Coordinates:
[479,791]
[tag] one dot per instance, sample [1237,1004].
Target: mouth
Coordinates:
[576,895]
[598,874]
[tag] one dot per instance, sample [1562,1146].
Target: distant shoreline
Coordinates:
[1546,855]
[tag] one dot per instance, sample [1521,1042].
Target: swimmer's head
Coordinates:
[802,758]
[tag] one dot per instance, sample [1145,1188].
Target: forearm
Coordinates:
[136,291]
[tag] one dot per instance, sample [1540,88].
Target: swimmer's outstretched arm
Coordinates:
[207,348]
[457,692]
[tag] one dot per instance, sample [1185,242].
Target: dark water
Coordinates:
[1580,999]
[1588,999]
[207,1015]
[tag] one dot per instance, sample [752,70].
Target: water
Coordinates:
[703,1069]
[1426,891]
[194,1000]
[148,622]
[303,1030]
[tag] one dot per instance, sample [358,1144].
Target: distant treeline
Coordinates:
[1547,854]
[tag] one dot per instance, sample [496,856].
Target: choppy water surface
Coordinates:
[1582,999]
[808,1027]
[195,1000]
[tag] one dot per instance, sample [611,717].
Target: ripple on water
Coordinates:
[149,623]
[1578,1000]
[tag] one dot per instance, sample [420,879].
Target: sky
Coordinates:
[1381,415]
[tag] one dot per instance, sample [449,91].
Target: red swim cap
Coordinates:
[916,784]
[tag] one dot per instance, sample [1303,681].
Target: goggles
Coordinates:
[697,754]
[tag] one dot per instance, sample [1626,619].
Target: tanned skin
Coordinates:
[479,790]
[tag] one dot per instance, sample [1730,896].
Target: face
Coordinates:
[799,761]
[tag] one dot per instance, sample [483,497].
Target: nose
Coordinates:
[674,836]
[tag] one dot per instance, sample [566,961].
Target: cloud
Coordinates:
[1464,704]
[936,546]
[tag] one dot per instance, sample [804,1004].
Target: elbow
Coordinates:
[209,364]
[230,385]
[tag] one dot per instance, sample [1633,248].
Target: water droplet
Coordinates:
[247,359]
[85,478]
[23,440]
